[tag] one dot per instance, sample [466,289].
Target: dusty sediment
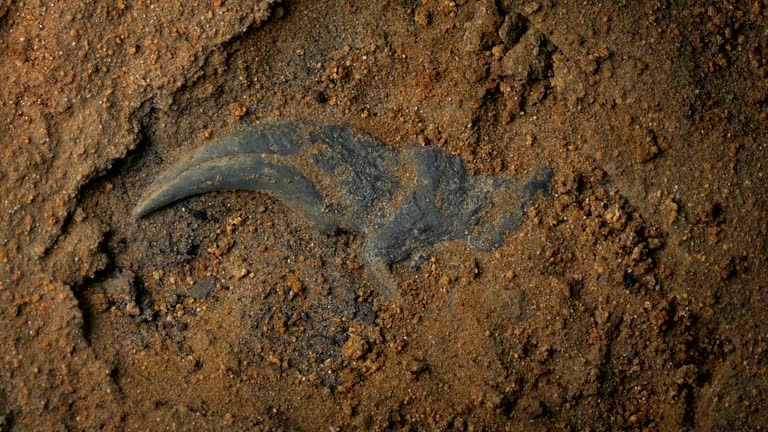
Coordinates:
[631,298]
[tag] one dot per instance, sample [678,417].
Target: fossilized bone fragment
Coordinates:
[340,178]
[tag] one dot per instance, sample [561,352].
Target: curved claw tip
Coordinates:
[237,162]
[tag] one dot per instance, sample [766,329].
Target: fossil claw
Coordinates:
[340,178]
[236,162]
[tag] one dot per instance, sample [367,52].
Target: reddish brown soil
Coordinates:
[635,297]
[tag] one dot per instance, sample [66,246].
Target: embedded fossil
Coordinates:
[340,178]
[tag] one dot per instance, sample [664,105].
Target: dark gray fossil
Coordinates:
[340,178]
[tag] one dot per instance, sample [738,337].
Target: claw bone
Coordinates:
[341,178]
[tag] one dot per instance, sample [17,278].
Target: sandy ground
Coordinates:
[634,297]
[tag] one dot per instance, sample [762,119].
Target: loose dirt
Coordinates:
[634,297]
